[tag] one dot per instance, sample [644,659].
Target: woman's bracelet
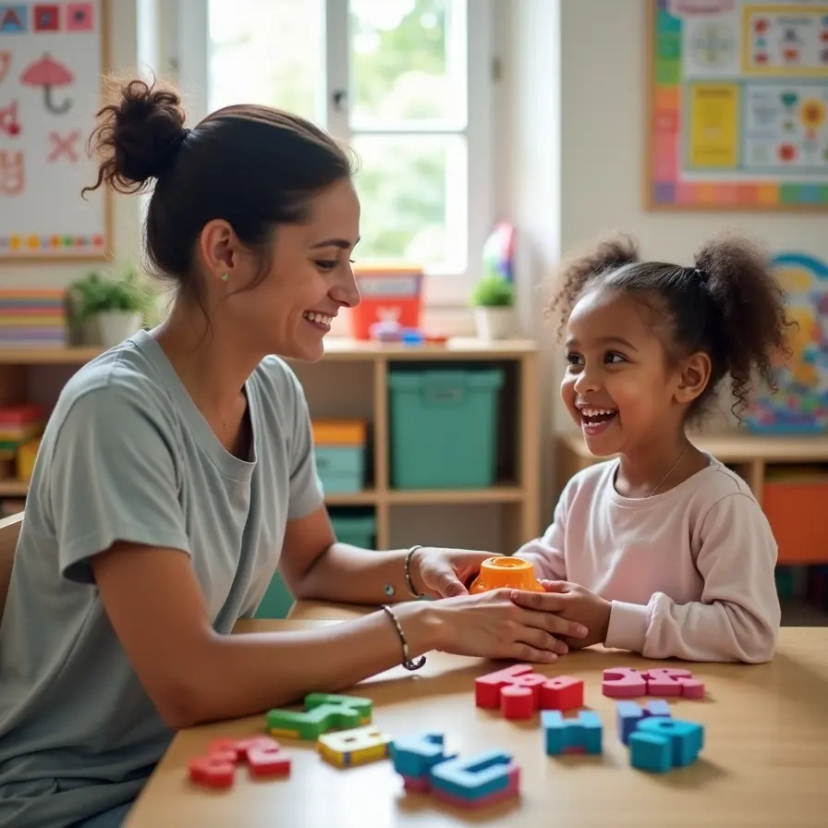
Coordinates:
[408,581]
[407,661]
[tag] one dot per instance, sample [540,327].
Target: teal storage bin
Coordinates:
[277,600]
[341,468]
[786,582]
[444,428]
[357,530]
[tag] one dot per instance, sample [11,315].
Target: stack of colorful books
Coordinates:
[33,318]
[20,430]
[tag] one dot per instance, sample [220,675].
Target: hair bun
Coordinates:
[138,136]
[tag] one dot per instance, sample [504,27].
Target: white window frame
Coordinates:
[184,30]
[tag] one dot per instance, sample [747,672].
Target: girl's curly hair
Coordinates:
[728,305]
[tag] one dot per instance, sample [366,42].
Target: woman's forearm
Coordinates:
[349,574]
[243,675]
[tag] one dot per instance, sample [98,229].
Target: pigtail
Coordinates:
[750,326]
[574,274]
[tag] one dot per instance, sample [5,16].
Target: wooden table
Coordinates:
[764,764]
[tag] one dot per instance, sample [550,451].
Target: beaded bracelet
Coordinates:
[408,580]
[406,662]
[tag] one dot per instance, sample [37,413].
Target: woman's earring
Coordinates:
[225,277]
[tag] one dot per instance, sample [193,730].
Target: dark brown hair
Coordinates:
[253,166]
[727,305]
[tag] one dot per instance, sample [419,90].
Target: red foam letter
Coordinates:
[562,693]
[487,688]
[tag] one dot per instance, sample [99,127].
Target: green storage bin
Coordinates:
[356,530]
[444,428]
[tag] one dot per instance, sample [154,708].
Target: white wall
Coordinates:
[528,186]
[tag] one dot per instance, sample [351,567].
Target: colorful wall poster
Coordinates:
[52,61]
[738,105]
[800,405]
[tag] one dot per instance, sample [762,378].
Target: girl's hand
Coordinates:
[443,573]
[494,625]
[573,603]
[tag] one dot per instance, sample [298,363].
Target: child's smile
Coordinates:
[596,420]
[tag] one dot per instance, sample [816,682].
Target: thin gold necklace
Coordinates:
[672,469]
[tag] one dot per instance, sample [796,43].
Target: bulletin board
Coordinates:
[52,65]
[738,105]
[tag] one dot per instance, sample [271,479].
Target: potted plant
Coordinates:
[110,310]
[493,299]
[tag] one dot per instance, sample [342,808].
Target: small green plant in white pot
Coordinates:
[493,300]
[111,309]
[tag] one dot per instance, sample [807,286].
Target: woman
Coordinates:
[177,470]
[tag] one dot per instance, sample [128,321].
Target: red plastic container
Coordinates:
[791,507]
[389,293]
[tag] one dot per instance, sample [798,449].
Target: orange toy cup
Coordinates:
[509,573]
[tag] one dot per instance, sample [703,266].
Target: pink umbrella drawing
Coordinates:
[48,73]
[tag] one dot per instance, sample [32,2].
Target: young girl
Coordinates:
[663,550]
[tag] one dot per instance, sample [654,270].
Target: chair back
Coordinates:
[9,532]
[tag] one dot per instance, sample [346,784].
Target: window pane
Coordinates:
[413,193]
[408,62]
[268,52]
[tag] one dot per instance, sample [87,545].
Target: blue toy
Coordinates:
[649,752]
[659,744]
[581,735]
[630,714]
[415,756]
[473,778]
[475,782]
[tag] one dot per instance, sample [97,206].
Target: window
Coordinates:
[406,83]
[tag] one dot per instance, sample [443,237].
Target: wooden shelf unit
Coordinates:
[749,455]
[519,495]
[753,457]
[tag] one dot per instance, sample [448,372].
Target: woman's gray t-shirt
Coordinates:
[127,456]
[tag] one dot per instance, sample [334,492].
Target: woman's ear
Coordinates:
[219,248]
[694,375]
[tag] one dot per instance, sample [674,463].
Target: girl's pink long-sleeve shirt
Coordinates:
[690,572]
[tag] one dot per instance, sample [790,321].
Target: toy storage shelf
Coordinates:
[516,491]
[787,475]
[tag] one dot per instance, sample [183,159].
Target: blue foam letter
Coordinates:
[686,739]
[472,778]
[581,734]
[415,755]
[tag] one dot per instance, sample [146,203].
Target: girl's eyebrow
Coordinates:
[606,340]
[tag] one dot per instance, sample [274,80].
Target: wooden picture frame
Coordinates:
[61,245]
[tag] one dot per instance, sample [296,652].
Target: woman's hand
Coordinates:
[444,573]
[494,625]
[573,603]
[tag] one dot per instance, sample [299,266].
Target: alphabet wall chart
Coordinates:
[738,105]
[52,62]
